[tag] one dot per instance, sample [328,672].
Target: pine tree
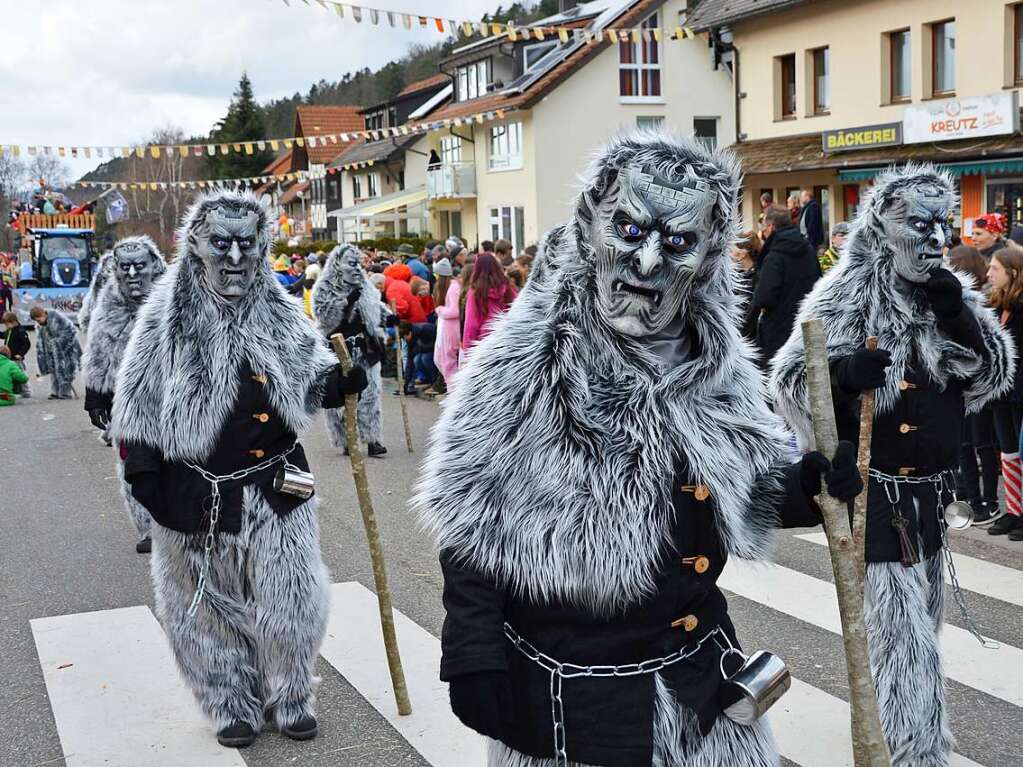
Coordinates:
[243,123]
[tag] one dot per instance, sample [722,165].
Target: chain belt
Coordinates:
[943,480]
[215,507]
[560,671]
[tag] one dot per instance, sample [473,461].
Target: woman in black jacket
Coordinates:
[1006,277]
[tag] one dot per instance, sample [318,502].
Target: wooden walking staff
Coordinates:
[869,747]
[400,367]
[859,520]
[376,552]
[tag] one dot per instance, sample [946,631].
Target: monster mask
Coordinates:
[649,246]
[915,225]
[227,242]
[351,267]
[134,267]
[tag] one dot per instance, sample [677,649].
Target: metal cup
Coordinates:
[295,482]
[755,687]
[958,515]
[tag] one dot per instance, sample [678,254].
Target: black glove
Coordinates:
[352,383]
[841,474]
[100,418]
[480,701]
[392,320]
[945,293]
[862,370]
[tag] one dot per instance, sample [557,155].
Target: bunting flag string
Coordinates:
[358,13]
[156,151]
[218,183]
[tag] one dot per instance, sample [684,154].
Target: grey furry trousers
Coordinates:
[249,652]
[136,511]
[369,415]
[905,609]
[677,742]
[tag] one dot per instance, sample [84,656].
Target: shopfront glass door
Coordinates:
[1006,196]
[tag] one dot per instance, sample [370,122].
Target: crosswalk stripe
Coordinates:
[354,647]
[986,578]
[116,695]
[997,672]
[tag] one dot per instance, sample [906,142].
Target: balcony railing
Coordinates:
[451,180]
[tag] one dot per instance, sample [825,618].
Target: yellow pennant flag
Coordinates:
[538,33]
[512,32]
[467,28]
[273,144]
[300,141]
[153,187]
[563,34]
[88,151]
[237,147]
[657,34]
[500,114]
[225,148]
[287,143]
[689,32]
[339,10]
[679,34]
[612,36]
[637,35]
[140,152]
[496,29]
[249,148]
[479,118]
[154,150]
[60,151]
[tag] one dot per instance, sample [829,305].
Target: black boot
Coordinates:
[237,735]
[1016,534]
[304,729]
[144,546]
[1004,525]
[984,512]
[375,449]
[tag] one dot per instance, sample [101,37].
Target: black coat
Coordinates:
[786,274]
[608,721]
[919,437]
[1014,324]
[17,340]
[810,219]
[177,496]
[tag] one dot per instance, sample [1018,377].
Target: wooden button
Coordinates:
[262,417]
[905,471]
[905,428]
[689,623]
[259,379]
[701,565]
[257,453]
[903,385]
[702,493]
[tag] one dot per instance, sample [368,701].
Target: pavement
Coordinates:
[87,677]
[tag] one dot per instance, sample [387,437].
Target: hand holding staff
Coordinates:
[869,747]
[375,550]
[399,353]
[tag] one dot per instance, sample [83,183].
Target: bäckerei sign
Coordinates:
[848,139]
[973,117]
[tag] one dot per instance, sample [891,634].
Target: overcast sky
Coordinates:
[110,72]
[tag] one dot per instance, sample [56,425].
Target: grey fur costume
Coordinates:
[112,318]
[250,649]
[58,352]
[855,299]
[99,279]
[330,295]
[547,467]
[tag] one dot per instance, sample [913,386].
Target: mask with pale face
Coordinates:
[351,266]
[136,263]
[915,225]
[649,240]
[226,238]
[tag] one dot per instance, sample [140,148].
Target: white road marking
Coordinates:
[997,672]
[116,694]
[354,646]
[985,578]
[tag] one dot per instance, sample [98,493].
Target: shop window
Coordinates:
[943,58]
[506,146]
[649,121]
[705,129]
[785,86]
[509,223]
[822,81]
[639,66]
[900,66]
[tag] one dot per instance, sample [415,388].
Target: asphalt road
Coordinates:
[66,546]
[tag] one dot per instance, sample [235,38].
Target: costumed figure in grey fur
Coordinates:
[99,279]
[608,446]
[58,352]
[135,263]
[222,371]
[346,302]
[940,354]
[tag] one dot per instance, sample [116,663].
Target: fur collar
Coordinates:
[857,298]
[110,326]
[550,468]
[179,378]
[330,294]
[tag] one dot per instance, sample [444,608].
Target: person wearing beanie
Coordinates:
[829,257]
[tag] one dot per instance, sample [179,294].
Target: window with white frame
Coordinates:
[357,187]
[451,150]
[508,222]
[373,184]
[472,80]
[639,64]
[649,121]
[705,129]
[533,54]
[506,146]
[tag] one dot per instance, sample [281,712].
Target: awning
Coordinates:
[978,168]
[382,204]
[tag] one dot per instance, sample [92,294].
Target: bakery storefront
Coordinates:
[975,139]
